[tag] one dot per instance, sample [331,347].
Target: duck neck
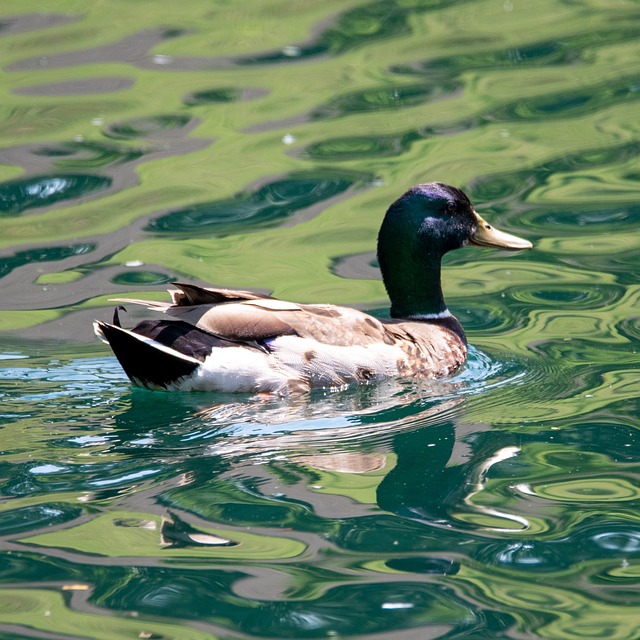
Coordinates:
[414,287]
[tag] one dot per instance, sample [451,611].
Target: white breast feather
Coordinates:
[292,360]
[333,365]
[239,370]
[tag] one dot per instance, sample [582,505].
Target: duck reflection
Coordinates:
[397,447]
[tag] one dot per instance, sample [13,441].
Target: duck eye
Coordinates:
[451,206]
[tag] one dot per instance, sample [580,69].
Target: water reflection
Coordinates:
[224,95]
[90,86]
[42,254]
[277,200]
[366,24]
[78,154]
[388,97]
[277,503]
[151,126]
[19,195]
[519,185]
[571,49]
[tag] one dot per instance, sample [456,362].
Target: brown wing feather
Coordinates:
[335,325]
[233,320]
[268,318]
[191,294]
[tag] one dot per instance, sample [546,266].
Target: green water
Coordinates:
[256,145]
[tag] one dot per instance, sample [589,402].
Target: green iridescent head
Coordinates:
[418,229]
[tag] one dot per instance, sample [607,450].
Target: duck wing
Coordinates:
[244,316]
[187,294]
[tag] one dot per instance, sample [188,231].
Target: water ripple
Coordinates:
[570,49]
[17,196]
[275,201]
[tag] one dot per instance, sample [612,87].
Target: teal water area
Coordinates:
[257,145]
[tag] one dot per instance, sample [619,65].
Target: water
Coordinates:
[257,145]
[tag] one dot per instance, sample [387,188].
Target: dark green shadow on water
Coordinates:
[274,202]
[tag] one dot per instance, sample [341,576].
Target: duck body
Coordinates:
[235,341]
[238,341]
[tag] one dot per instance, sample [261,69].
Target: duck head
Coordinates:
[418,229]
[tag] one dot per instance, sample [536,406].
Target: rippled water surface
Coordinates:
[256,145]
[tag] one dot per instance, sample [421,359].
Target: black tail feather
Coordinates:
[147,364]
[116,315]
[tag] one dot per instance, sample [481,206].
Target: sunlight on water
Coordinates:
[257,145]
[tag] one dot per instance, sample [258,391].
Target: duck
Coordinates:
[234,341]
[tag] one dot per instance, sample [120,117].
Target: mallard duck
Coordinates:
[238,341]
